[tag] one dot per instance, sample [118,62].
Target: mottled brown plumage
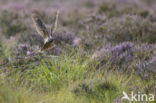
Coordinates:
[42,30]
[40,27]
[48,45]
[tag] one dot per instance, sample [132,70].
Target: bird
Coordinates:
[42,30]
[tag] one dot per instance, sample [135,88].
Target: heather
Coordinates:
[103,47]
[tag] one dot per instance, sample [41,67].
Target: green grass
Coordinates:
[65,79]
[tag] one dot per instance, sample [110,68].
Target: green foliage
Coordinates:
[9,95]
[57,72]
[69,76]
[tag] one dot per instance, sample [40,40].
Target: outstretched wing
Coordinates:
[54,25]
[40,27]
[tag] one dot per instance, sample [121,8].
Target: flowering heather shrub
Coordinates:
[126,55]
[11,23]
[30,42]
[24,49]
[66,39]
[99,54]
[129,28]
[30,38]
[144,60]
[114,9]
[134,10]
[107,6]
[123,52]
[15,5]
[152,64]
[119,54]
